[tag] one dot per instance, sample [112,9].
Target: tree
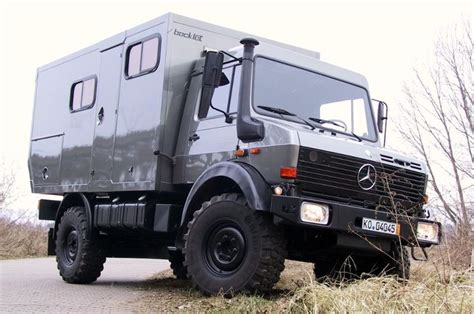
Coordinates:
[437,122]
[7,184]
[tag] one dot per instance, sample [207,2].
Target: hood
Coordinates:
[351,147]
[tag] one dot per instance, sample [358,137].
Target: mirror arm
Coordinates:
[228,117]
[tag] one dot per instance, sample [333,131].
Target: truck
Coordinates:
[225,153]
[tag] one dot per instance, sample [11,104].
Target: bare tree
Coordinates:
[7,184]
[437,121]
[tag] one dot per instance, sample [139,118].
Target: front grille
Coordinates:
[331,176]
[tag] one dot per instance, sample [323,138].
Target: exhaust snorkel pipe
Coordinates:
[248,129]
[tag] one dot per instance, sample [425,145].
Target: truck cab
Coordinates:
[226,160]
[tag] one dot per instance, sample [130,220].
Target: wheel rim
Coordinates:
[225,249]
[71,246]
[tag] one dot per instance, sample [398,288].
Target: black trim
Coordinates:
[74,199]
[127,56]
[46,137]
[48,209]
[253,186]
[71,93]
[348,219]
[288,118]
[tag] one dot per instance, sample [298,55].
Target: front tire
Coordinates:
[79,259]
[394,263]
[230,247]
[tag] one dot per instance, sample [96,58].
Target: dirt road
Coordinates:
[34,285]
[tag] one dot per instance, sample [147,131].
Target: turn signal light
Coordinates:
[288,172]
[255,151]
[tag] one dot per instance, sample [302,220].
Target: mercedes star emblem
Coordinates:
[367,177]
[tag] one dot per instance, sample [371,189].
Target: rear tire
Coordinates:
[79,259]
[176,259]
[230,247]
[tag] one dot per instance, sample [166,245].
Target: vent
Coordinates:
[400,162]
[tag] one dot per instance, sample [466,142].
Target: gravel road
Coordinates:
[34,285]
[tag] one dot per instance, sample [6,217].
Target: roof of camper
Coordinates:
[308,57]
[171,17]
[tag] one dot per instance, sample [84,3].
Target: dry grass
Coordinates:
[425,292]
[22,239]
[434,288]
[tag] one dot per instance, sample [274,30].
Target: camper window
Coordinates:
[142,57]
[83,94]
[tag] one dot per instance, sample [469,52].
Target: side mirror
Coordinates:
[382,113]
[211,78]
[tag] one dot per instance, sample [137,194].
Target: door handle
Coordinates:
[100,116]
[194,137]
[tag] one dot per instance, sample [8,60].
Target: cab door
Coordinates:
[108,91]
[210,139]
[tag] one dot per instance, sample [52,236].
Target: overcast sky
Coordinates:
[382,40]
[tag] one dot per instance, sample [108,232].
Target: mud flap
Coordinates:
[51,243]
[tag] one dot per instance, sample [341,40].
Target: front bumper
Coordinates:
[348,219]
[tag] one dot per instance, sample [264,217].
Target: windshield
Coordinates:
[312,95]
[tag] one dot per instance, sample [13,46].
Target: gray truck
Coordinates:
[224,153]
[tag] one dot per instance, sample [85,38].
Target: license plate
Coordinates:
[380,226]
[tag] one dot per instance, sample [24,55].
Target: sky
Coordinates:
[383,40]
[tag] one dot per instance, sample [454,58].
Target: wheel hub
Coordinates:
[226,248]
[71,246]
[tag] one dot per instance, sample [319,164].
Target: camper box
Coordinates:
[107,118]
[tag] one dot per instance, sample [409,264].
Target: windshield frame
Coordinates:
[319,126]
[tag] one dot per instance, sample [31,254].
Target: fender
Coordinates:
[253,186]
[74,199]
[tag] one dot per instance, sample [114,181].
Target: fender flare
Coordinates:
[255,189]
[74,199]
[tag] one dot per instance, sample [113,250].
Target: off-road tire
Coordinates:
[398,264]
[82,262]
[337,269]
[176,260]
[395,263]
[264,245]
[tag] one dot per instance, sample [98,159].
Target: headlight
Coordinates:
[427,232]
[314,213]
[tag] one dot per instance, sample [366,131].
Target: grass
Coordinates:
[432,289]
[22,239]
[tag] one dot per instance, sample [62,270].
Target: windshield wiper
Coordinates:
[284,112]
[344,126]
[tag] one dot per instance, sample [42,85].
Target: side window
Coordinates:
[83,94]
[220,99]
[234,99]
[226,96]
[142,57]
[351,112]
